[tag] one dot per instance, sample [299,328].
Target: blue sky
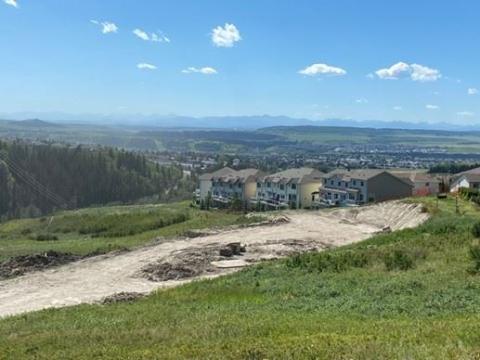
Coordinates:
[313,59]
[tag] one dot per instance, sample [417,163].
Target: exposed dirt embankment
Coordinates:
[180,260]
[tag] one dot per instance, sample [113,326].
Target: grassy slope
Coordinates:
[75,230]
[313,306]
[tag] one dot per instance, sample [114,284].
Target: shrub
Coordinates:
[46,237]
[475,256]
[329,261]
[476,229]
[399,259]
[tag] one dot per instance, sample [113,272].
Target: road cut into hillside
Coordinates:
[173,262]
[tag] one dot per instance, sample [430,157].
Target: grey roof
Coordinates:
[298,176]
[230,175]
[470,177]
[415,176]
[363,174]
[475,171]
[219,173]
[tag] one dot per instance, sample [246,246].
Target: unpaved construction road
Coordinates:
[92,279]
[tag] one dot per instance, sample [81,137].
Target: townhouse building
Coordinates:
[357,187]
[294,188]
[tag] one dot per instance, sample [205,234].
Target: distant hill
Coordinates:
[228,122]
[30,123]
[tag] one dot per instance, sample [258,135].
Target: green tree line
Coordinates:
[36,179]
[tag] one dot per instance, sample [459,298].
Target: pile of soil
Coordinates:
[193,262]
[22,264]
[122,297]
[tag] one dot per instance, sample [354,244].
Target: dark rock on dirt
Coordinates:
[232,249]
[122,297]
[22,264]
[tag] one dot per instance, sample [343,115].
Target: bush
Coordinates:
[46,237]
[329,261]
[399,259]
[476,229]
[475,256]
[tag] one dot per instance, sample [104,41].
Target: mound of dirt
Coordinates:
[22,264]
[122,297]
[191,262]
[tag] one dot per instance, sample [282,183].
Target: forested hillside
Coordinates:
[38,178]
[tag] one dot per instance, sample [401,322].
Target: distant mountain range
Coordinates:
[226,122]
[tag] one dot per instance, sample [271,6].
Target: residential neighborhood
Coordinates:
[305,188]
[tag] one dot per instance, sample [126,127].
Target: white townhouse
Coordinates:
[290,188]
[227,184]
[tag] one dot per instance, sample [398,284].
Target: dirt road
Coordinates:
[92,279]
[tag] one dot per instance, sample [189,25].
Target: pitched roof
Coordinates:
[363,174]
[219,173]
[229,175]
[298,176]
[475,171]
[415,176]
[469,176]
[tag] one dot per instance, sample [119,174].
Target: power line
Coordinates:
[34,184]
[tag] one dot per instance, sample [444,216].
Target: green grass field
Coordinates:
[103,229]
[407,295]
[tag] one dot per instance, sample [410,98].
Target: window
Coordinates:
[282,187]
[259,185]
[336,196]
[354,182]
[293,186]
[331,182]
[427,184]
[361,183]
[339,183]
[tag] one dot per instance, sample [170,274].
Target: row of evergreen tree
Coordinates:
[36,179]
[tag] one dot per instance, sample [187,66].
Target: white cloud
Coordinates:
[466,113]
[472,91]
[145,66]
[394,71]
[204,70]
[107,27]
[322,69]
[423,73]
[397,108]
[159,37]
[361,101]
[225,36]
[155,37]
[141,34]
[432,107]
[416,72]
[13,3]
